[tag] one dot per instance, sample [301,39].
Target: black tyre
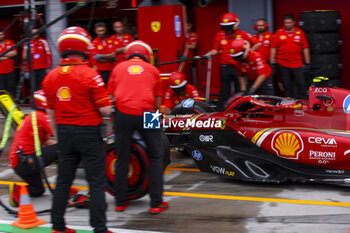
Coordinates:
[327,65]
[334,83]
[324,42]
[320,21]
[138,176]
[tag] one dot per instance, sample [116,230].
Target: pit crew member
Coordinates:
[135,86]
[7,65]
[121,39]
[23,155]
[229,23]
[252,65]
[178,90]
[288,51]
[104,51]
[41,58]
[77,99]
[263,39]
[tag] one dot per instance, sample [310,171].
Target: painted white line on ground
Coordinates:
[90,229]
[196,185]
[6,172]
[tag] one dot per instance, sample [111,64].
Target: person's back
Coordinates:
[77,99]
[70,88]
[135,73]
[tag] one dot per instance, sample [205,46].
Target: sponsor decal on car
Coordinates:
[298,112]
[323,142]
[197,155]
[221,171]
[206,138]
[287,144]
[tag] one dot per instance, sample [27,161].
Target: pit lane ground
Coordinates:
[201,202]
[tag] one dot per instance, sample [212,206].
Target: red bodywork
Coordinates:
[313,132]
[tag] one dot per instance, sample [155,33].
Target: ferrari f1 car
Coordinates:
[269,138]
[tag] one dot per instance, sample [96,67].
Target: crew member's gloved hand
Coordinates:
[250,91]
[98,56]
[307,67]
[207,55]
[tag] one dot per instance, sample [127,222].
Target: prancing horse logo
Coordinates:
[155,25]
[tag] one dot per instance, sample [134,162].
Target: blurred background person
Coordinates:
[121,39]
[41,58]
[288,51]
[104,51]
[7,65]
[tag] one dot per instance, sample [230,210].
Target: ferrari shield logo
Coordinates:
[155,25]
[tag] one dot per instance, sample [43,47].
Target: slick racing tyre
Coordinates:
[327,65]
[138,176]
[320,21]
[324,42]
[196,107]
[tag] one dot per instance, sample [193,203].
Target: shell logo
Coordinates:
[267,36]
[99,47]
[223,42]
[66,69]
[177,81]
[297,32]
[232,51]
[64,94]
[287,144]
[225,20]
[135,69]
[238,36]
[283,37]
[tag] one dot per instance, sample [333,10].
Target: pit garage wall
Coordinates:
[282,7]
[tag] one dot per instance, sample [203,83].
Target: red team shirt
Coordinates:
[120,43]
[75,92]
[289,47]
[103,47]
[41,54]
[254,67]
[137,73]
[8,65]
[266,39]
[172,98]
[24,135]
[191,38]
[223,42]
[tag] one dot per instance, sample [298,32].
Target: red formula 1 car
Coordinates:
[269,138]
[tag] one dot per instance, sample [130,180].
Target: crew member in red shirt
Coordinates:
[178,90]
[135,85]
[288,51]
[263,40]
[252,65]
[104,51]
[7,65]
[77,99]
[121,39]
[191,43]
[23,155]
[41,57]
[229,23]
